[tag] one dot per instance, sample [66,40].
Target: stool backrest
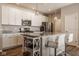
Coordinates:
[52,39]
[69,37]
[61,40]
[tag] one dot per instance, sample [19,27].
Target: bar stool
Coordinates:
[68,39]
[61,44]
[58,43]
[52,44]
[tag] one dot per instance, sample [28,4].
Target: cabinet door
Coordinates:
[71,25]
[12,16]
[18,17]
[24,15]
[9,40]
[36,21]
[20,39]
[5,15]
[13,40]
[5,42]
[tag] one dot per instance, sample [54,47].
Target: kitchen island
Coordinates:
[37,42]
[44,37]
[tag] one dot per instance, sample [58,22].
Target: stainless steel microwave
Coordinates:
[26,22]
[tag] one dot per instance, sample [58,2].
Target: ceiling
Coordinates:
[44,7]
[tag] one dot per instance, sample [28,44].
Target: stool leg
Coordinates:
[49,51]
[55,51]
[65,49]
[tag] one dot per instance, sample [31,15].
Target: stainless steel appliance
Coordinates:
[46,27]
[26,22]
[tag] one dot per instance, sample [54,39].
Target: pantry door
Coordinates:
[71,25]
[58,26]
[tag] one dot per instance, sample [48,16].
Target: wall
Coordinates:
[70,20]
[56,23]
[0,29]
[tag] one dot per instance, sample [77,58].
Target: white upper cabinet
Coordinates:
[12,16]
[24,15]
[5,15]
[36,21]
[18,17]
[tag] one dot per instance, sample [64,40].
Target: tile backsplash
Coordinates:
[15,28]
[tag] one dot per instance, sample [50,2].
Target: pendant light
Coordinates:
[55,18]
[36,12]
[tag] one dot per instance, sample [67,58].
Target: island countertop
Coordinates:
[34,33]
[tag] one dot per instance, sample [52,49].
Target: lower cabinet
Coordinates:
[10,40]
[20,39]
[16,51]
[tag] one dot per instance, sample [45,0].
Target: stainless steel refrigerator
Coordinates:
[47,27]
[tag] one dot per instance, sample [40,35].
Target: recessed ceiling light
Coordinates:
[17,3]
[49,9]
[33,8]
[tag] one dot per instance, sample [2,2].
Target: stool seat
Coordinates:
[52,44]
[57,42]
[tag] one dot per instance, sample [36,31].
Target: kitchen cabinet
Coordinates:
[10,40]
[5,42]
[36,21]
[16,51]
[12,16]
[8,15]
[18,17]
[20,39]
[24,15]
[43,18]
[5,15]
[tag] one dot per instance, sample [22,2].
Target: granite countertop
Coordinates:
[34,33]
[51,33]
